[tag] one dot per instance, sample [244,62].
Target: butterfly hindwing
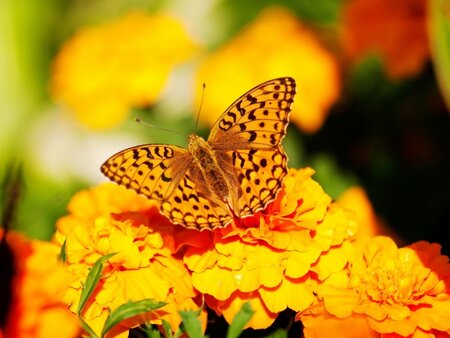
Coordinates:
[259,174]
[193,207]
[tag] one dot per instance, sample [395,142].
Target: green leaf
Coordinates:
[62,253]
[439,33]
[280,333]
[151,331]
[167,329]
[191,324]
[87,329]
[333,179]
[154,333]
[129,310]
[91,281]
[239,321]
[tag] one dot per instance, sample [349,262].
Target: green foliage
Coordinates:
[87,329]
[240,320]
[439,26]
[62,252]
[191,324]
[91,281]
[278,334]
[129,310]
[333,180]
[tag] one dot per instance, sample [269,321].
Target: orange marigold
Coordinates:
[394,30]
[110,219]
[384,291]
[102,72]
[355,200]
[267,258]
[39,282]
[275,44]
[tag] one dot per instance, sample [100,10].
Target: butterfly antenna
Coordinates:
[138,120]
[200,107]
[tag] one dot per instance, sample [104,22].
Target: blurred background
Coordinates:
[371,114]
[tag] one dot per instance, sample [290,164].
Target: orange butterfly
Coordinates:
[240,168]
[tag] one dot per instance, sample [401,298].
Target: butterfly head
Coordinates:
[195,141]
[198,146]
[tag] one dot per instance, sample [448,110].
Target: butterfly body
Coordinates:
[238,170]
[206,171]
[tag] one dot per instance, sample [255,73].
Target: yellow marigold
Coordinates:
[275,44]
[267,258]
[102,72]
[38,285]
[394,30]
[110,219]
[385,291]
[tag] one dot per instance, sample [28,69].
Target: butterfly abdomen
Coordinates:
[211,174]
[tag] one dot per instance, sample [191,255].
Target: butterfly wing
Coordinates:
[247,144]
[193,207]
[256,120]
[164,173]
[151,169]
[257,176]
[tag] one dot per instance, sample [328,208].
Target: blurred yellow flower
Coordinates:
[39,282]
[385,291]
[275,44]
[267,258]
[393,30]
[102,72]
[110,219]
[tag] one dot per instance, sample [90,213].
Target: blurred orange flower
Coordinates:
[393,30]
[110,219]
[355,200]
[102,72]
[267,258]
[39,282]
[385,291]
[275,44]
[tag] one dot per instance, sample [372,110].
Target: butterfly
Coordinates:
[237,171]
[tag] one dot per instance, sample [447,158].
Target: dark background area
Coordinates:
[396,139]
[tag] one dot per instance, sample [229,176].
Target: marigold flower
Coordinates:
[384,291]
[110,219]
[102,72]
[395,31]
[268,257]
[39,282]
[275,44]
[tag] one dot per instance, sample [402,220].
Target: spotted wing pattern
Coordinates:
[193,207]
[163,173]
[152,170]
[247,140]
[256,120]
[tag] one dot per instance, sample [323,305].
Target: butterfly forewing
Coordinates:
[152,170]
[258,119]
